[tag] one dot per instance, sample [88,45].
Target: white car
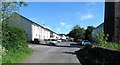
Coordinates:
[59,40]
[86,42]
[52,41]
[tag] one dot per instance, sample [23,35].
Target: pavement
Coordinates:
[62,53]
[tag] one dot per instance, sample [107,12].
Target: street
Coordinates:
[53,54]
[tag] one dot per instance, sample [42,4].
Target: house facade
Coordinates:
[33,30]
[55,35]
[95,31]
[63,36]
[39,32]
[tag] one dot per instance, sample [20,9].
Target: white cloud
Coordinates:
[87,16]
[62,23]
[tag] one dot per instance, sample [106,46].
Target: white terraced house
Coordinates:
[32,29]
[95,31]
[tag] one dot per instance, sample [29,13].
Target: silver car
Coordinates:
[86,42]
[52,41]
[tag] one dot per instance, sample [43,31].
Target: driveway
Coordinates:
[53,54]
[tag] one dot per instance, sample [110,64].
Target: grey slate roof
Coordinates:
[34,22]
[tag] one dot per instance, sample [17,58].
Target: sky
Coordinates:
[60,17]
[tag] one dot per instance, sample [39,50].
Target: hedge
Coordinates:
[13,38]
[15,43]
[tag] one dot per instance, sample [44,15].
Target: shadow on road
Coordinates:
[73,53]
[71,45]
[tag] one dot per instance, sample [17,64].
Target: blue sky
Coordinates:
[62,16]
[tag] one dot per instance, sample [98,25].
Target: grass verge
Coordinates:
[111,45]
[108,45]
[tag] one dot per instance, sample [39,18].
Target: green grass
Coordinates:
[109,45]
[16,57]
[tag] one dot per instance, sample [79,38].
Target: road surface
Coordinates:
[53,54]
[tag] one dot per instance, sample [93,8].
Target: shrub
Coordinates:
[13,38]
[101,38]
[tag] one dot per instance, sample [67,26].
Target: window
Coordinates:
[39,36]
[34,27]
[38,27]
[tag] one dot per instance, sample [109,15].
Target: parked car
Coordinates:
[59,40]
[64,40]
[86,42]
[52,42]
[36,41]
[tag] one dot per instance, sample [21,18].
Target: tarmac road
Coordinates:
[53,54]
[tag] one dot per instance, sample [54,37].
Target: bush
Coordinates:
[101,40]
[13,38]
[15,42]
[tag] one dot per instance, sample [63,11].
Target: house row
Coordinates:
[95,31]
[33,30]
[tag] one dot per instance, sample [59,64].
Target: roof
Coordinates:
[102,24]
[62,34]
[34,23]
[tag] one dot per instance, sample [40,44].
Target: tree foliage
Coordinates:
[77,33]
[11,35]
[101,38]
[7,8]
[88,33]
[13,38]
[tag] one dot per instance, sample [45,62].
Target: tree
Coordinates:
[88,33]
[7,8]
[77,33]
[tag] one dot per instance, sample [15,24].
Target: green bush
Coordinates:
[13,38]
[15,43]
[101,40]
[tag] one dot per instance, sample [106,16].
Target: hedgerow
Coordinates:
[13,38]
[15,43]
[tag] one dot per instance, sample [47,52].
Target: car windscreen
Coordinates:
[86,41]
